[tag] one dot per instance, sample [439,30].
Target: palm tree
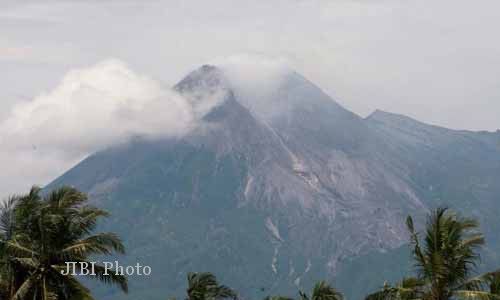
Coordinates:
[444,260]
[204,286]
[40,234]
[322,291]
[449,252]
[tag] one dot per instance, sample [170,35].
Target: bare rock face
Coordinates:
[280,187]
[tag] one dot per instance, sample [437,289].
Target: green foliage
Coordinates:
[322,291]
[409,288]
[444,260]
[38,235]
[204,286]
[485,286]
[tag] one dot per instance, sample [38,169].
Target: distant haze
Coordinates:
[436,61]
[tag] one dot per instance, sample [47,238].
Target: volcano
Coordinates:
[279,186]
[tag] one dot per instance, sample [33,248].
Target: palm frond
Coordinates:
[28,263]
[110,277]
[7,217]
[102,243]
[76,290]
[25,287]
[203,286]
[65,197]
[15,248]
[323,291]
[487,281]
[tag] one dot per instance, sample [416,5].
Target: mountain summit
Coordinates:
[280,186]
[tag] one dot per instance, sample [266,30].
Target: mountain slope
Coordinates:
[447,167]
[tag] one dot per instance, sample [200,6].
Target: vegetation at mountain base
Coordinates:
[204,286]
[445,259]
[40,233]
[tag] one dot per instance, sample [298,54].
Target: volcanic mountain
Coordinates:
[280,186]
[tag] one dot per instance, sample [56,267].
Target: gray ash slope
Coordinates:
[274,192]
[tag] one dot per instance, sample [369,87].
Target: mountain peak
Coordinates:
[276,96]
[267,89]
[206,76]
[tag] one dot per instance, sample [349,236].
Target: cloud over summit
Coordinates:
[108,103]
[92,108]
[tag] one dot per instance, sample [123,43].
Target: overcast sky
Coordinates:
[435,60]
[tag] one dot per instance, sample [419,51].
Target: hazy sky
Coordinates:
[435,60]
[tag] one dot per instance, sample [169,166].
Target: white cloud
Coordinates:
[253,68]
[254,78]
[91,109]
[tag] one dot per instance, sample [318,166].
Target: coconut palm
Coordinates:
[40,234]
[449,252]
[322,291]
[204,286]
[444,259]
